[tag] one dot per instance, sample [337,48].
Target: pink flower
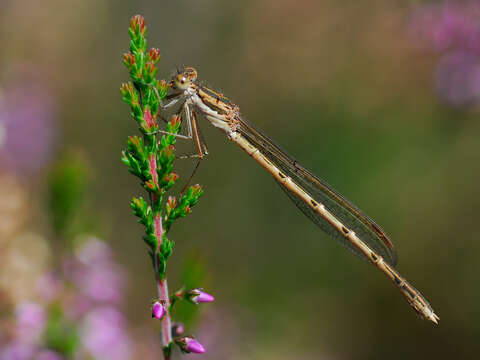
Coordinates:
[104,334]
[197,296]
[31,319]
[189,345]
[158,310]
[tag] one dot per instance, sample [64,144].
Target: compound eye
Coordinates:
[181,82]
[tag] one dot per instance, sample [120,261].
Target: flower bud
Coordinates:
[178,329]
[189,345]
[129,59]
[148,118]
[172,202]
[198,296]
[175,121]
[153,55]
[158,310]
[137,24]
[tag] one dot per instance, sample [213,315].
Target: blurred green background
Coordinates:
[347,89]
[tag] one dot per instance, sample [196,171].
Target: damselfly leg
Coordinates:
[201,147]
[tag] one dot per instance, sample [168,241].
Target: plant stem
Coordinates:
[162,285]
[165,323]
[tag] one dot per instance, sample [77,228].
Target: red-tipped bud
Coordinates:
[179,293]
[154,55]
[188,210]
[150,68]
[129,59]
[162,88]
[134,140]
[173,177]
[137,202]
[175,121]
[197,190]
[172,202]
[169,151]
[137,24]
[150,185]
[189,345]
[126,89]
[158,310]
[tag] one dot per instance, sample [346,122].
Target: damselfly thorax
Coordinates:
[327,209]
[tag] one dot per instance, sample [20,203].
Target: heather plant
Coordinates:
[150,157]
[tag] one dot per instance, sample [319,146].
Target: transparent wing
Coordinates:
[344,210]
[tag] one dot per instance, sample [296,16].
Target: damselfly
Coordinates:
[315,198]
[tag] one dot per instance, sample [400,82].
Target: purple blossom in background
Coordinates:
[17,351]
[452,28]
[48,355]
[86,310]
[213,327]
[26,126]
[49,286]
[94,251]
[30,322]
[96,275]
[458,78]
[104,334]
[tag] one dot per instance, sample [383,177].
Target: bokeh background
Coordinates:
[379,98]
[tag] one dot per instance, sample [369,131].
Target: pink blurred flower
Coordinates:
[96,275]
[17,351]
[94,251]
[452,28]
[104,334]
[448,25]
[49,286]
[26,127]
[30,322]
[48,355]
[458,78]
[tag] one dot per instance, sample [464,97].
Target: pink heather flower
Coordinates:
[49,286]
[158,310]
[197,296]
[190,345]
[96,274]
[102,283]
[27,128]
[448,25]
[31,319]
[94,251]
[104,334]
[48,355]
[452,29]
[458,78]
[17,351]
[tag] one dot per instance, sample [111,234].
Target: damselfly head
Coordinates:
[184,77]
